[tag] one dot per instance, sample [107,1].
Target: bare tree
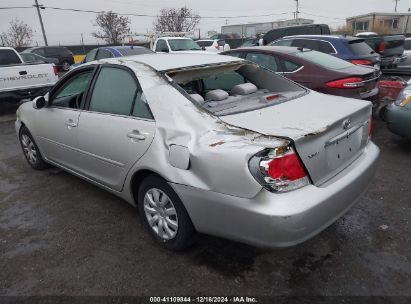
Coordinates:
[112,27]
[19,34]
[176,20]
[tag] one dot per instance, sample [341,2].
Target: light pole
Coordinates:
[41,21]
[296,10]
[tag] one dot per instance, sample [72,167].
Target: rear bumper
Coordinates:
[17,95]
[392,62]
[279,220]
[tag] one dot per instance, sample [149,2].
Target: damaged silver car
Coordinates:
[204,143]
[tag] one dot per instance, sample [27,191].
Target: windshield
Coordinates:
[205,43]
[324,60]
[183,45]
[230,89]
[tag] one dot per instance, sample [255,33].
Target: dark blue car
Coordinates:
[114,51]
[352,49]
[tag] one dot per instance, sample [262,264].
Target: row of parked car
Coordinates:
[240,145]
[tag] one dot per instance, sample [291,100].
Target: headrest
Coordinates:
[244,89]
[197,98]
[216,95]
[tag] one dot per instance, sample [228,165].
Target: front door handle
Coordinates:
[70,123]
[135,134]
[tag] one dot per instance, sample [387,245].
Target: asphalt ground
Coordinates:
[60,235]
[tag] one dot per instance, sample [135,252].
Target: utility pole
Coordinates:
[396,4]
[297,8]
[41,21]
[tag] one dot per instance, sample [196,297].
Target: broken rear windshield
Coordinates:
[226,90]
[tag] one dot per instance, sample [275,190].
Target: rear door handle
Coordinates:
[71,123]
[135,134]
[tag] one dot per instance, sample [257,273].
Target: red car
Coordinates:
[318,71]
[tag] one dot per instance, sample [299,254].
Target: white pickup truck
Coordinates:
[177,45]
[20,81]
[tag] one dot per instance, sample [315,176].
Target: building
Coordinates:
[254,29]
[394,23]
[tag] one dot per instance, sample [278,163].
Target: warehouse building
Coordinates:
[384,23]
[254,29]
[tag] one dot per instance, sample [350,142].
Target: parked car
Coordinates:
[317,71]
[307,29]
[352,49]
[113,51]
[209,143]
[215,45]
[405,65]
[34,58]
[390,47]
[19,80]
[62,54]
[176,45]
[398,114]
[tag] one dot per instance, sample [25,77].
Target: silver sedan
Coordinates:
[205,143]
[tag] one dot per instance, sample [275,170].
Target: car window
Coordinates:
[407,45]
[324,60]
[161,46]
[134,51]
[359,47]
[9,57]
[50,51]
[91,55]
[282,43]
[183,45]
[102,53]
[141,108]
[223,81]
[40,52]
[326,47]
[307,44]
[70,94]
[290,67]
[266,61]
[114,92]
[205,43]
[28,57]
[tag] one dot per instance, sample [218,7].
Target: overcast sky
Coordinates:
[66,27]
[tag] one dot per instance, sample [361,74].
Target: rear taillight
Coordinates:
[56,72]
[381,47]
[346,83]
[361,62]
[279,169]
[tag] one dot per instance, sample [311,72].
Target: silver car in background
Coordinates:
[204,143]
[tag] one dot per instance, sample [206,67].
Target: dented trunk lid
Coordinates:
[329,132]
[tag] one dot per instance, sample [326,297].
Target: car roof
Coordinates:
[279,49]
[166,62]
[324,37]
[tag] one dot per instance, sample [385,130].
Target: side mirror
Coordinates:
[203,48]
[39,102]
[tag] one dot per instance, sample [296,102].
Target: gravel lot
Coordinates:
[60,235]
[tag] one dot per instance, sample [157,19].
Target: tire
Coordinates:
[159,205]
[65,66]
[30,150]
